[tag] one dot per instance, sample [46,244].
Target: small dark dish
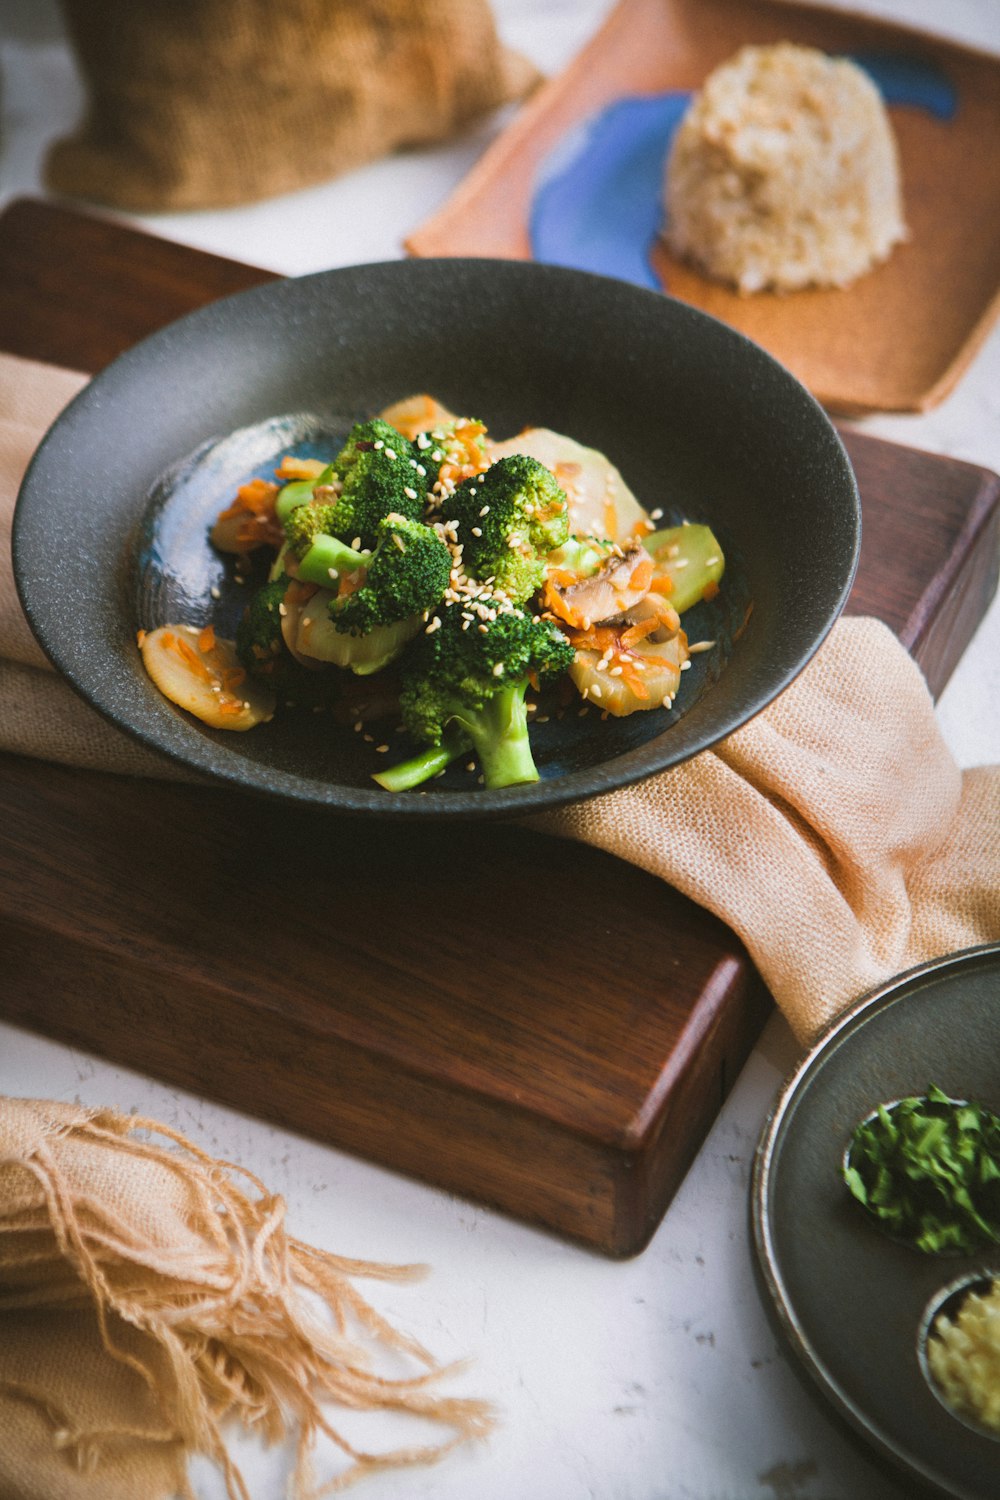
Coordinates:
[111,525]
[854,1305]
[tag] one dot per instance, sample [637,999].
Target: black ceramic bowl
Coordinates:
[111,525]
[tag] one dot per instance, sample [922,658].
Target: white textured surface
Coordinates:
[653,1379]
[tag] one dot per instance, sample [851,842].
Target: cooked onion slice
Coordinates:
[201,673]
[622,678]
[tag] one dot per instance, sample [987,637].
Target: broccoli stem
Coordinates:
[299,492]
[425,764]
[327,558]
[499,734]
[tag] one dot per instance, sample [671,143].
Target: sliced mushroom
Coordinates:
[619,584]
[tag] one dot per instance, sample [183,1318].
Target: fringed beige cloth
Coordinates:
[149,1294]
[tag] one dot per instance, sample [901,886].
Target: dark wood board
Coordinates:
[426,1011]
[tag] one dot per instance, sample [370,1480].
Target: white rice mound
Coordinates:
[784,173]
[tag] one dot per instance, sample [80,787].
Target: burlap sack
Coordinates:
[194,105]
[834,833]
[148,1293]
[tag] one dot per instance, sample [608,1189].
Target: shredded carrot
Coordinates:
[140,636]
[206,640]
[641,575]
[351,582]
[636,633]
[661,584]
[168,640]
[230,706]
[711,589]
[233,677]
[668,617]
[632,678]
[610,520]
[188,654]
[554,601]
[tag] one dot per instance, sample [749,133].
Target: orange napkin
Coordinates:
[834,833]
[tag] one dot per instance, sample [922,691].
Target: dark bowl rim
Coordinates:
[510,802]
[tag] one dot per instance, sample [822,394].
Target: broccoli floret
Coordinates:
[510,518]
[408,573]
[460,443]
[261,650]
[379,473]
[321,556]
[464,686]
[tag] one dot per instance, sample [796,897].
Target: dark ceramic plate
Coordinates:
[111,525]
[854,1305]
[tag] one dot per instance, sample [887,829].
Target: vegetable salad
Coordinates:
[466,575]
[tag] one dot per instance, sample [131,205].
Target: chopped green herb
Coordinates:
[928,1169]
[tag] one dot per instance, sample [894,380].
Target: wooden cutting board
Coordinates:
[527,1023]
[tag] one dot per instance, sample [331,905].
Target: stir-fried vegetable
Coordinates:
[478,570]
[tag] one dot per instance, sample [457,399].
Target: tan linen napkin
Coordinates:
[229,101]
[149,1292]
[834,833]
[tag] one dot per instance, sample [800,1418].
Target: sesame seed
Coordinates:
[485,511]
[616,671]
[542,719]
[410,494]
[356,544]
[477,531]
[595,691]
[498,669]
[423,441]
[390,453]
[215,591]
[379,443]
[358,726]
[381,749]
[711,561]
[282,609]
[582,711]
[332,573]
[471,766]
[700,646]
[369,739]
[602,665]
[398,540]
[685,666]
